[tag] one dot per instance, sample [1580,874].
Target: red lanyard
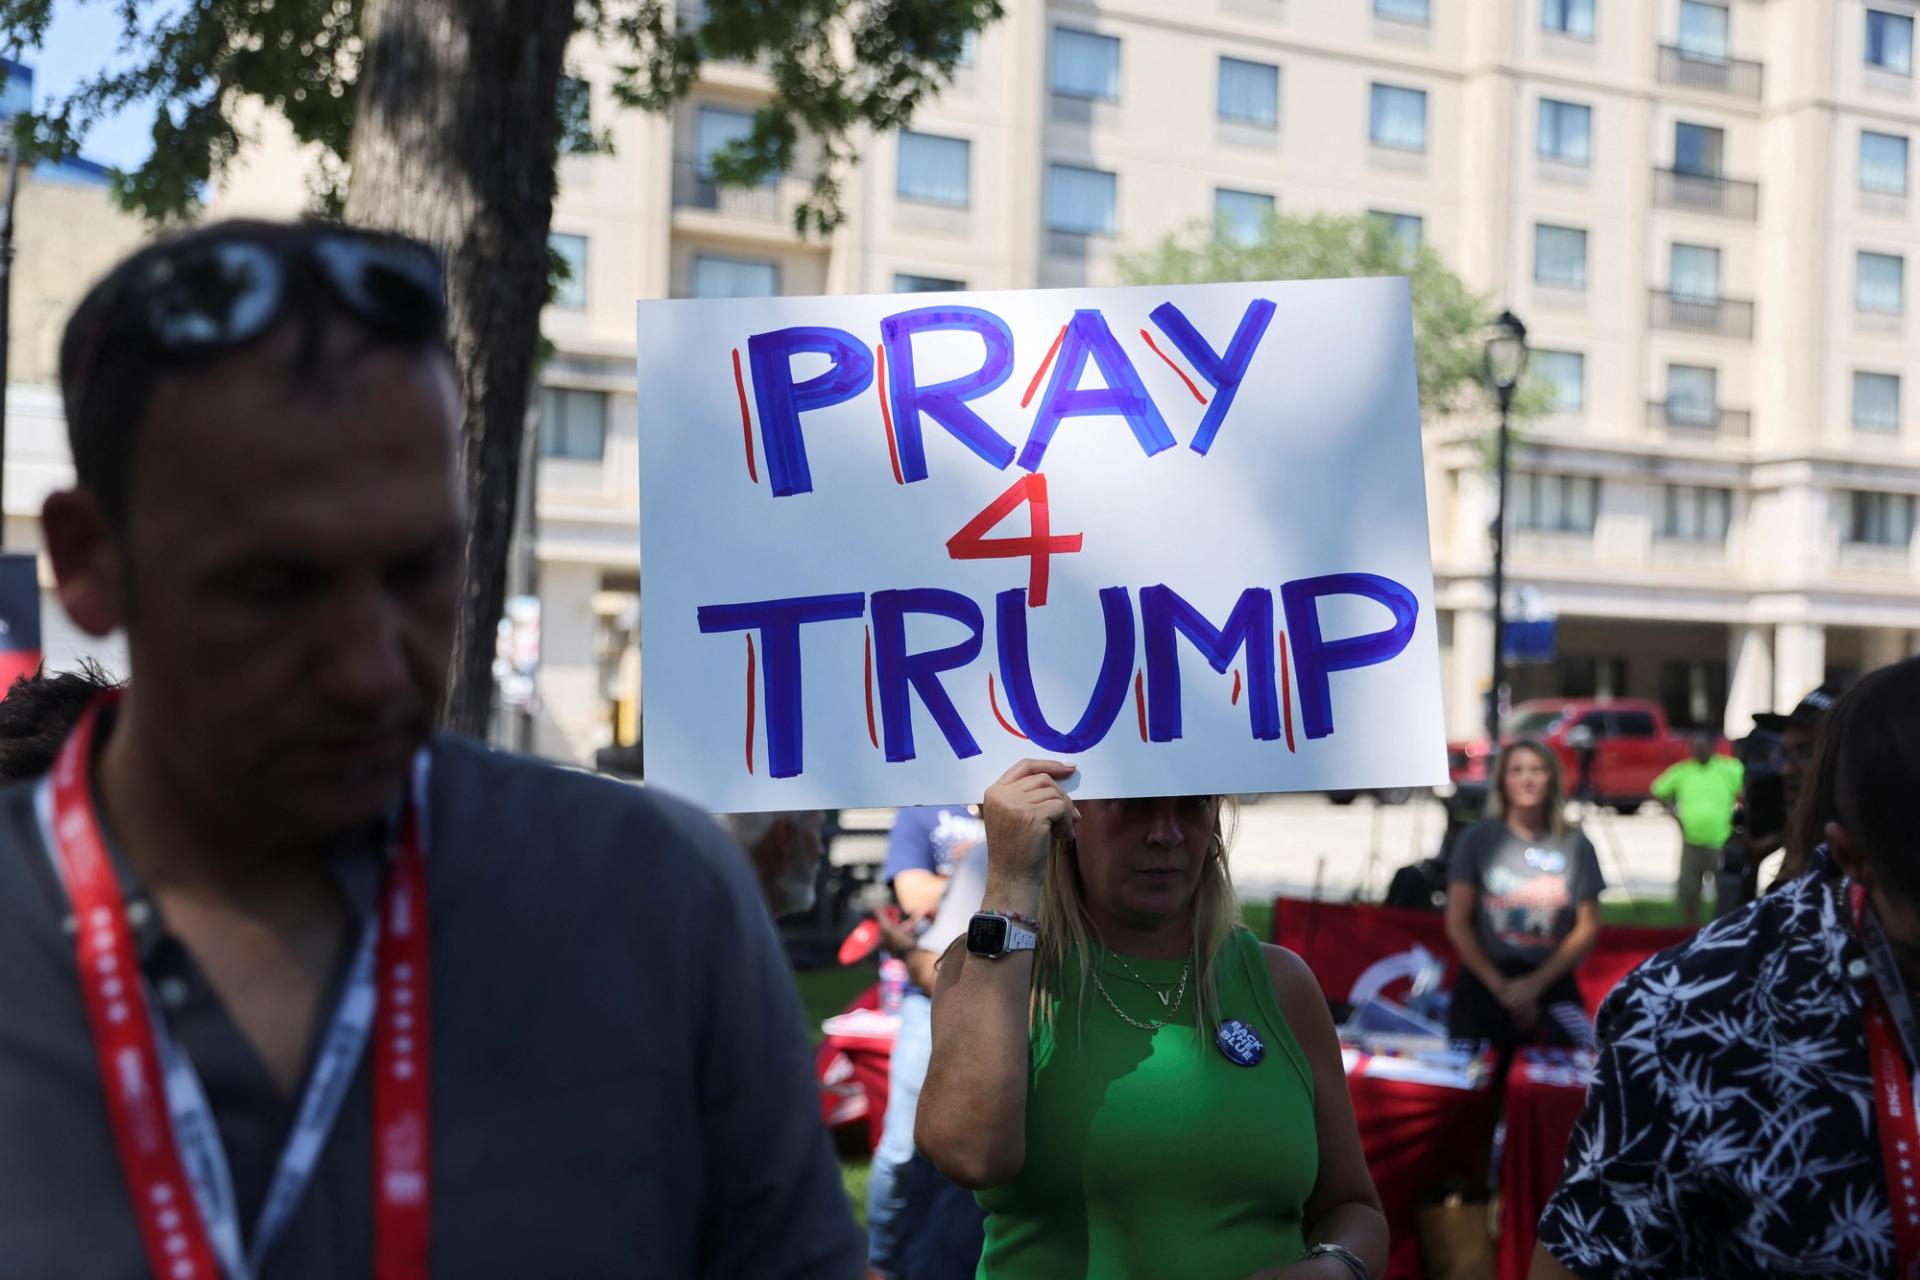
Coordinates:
[1894,1095]
[169,1201]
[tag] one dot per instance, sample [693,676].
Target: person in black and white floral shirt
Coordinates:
[1731,1129]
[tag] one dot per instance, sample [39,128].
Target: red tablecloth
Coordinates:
[852,1070]
[1413,1135]
[1544,1095]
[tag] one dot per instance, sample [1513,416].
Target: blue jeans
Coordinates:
[889,1185]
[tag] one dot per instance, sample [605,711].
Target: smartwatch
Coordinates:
[991,935]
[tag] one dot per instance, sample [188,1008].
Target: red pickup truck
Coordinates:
[1629,738]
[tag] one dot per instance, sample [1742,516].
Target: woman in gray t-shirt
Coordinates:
[1523,910]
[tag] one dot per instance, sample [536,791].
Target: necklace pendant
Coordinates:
[1163,998]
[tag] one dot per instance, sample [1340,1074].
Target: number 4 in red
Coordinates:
[1039,544]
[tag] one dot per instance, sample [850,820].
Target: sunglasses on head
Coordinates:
[215,294]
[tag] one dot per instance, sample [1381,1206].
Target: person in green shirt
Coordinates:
[1132,1084]
[1701,791]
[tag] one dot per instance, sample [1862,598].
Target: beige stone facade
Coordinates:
[1704,212]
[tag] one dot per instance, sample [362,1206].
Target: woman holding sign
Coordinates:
[1133,1084]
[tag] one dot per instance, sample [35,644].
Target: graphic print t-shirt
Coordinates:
[935,838]
[931,838]
[1529,889]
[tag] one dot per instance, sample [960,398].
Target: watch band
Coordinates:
[1341,1254]
[1015,937]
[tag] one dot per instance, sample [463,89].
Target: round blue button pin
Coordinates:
[1239,1043]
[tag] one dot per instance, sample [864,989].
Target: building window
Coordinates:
[1408,228]
[575,101]
[1565,129]
[1086,65]
[1879,519]
[1079,200]
[1568,18]
[1883,162]
[573,423]
[1699,150]
[1250,92]
[714,128]
[1693,395]
[1559,256]
[1698,513]
[1703,31]
[1876,401]
[571,292]
[1890,42]
[1560,504]
[1566,373]
[1403,10]
[905,282]
[717,277]
[1241,216]
[969,50]
[932,169]
[1879,283]
[1693,273]
[1399,118]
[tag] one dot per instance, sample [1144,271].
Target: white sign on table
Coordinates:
[1174,534]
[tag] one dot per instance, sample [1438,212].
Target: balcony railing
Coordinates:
[1721,317]
[1706,193]
[771,201]
[1699,420]
[1702,71]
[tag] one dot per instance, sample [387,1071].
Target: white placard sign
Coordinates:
[1174,534]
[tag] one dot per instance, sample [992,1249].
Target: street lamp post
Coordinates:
[1506,357]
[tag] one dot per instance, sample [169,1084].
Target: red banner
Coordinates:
[1357,950]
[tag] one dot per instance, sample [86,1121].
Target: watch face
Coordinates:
[987,935]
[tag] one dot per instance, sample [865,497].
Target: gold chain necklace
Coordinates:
[1162,989]
[1178,997]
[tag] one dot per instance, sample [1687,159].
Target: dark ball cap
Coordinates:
[1812,710]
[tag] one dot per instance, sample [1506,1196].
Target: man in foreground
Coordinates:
[291,986]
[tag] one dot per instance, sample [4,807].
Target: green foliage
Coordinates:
[837,67]
[193,63]
[1450,321]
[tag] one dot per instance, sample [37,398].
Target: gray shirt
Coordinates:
[622,1084]
[1528,889]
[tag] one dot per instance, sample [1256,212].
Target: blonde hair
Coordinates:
[1068,932]
[1553,806]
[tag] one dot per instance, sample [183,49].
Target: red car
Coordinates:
[1628,740]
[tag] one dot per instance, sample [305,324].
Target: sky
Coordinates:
[82,40]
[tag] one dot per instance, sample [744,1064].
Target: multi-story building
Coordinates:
[1701,208]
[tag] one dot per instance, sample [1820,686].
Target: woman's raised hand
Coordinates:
[1023,811]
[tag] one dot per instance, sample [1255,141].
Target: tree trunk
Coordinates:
[453,142]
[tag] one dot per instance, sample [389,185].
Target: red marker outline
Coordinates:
[750,708]
[1041,372]
[886,413]
[1140,701]
[872,737]
[746,419]
[1171,365]
[1286,689]
[994,702]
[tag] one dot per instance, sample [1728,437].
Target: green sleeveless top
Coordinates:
[1149,1153]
